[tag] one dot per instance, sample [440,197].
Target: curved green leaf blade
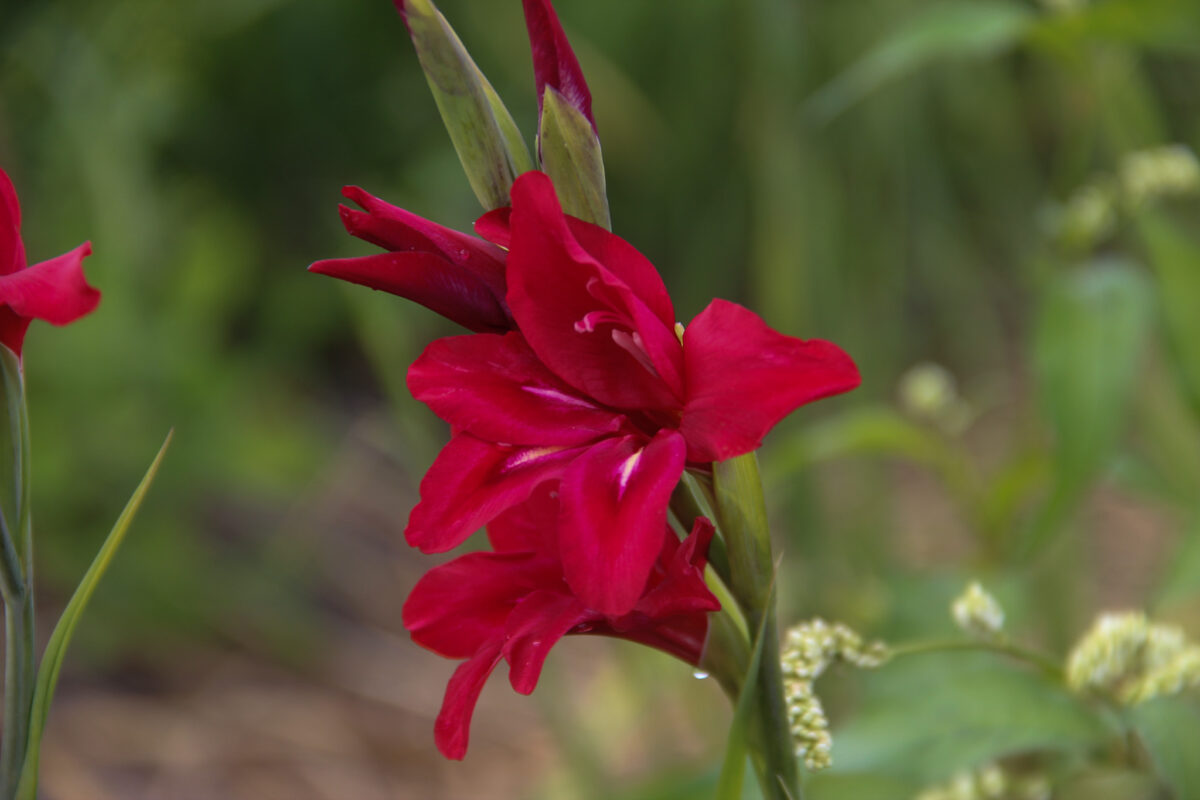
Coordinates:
[56,648]
[977,28]
[1087,347]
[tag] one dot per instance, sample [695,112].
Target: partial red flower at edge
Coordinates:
[454,274]
[597,390]
[513,604]
[54,290]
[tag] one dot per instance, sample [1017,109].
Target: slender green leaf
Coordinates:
[729,785]
[948,30]
[926,717]
[1170,729]
[570,155]
[1175,257]
[1087,346]
[56,648]
[484,134]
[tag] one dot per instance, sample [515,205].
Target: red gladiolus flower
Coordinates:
[597,390]
[459,276]
[55,290]
[513,604]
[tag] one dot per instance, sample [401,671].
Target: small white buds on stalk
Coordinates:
[808,650]
[977,612]
[1131,660]
[1168,171]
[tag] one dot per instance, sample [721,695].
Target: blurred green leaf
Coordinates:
[570,155]
[1170,729]
[877,431]
[1182,577]
[926,717]
[1087,345]
[56,648]
[1175,257]
[1166,25]
[483,132]
[949,30]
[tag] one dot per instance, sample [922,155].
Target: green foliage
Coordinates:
[1170,727]
[925,717]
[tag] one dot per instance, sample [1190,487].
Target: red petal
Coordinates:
[682,588]
[428,279]
[536,625]
[494,387]
[453,727]
[743,377]
[531,526]
[395,229]
[558,290]
[494,226]
[458,606]
[12,250]
[614,510]
[54,290]
[472,482]
[554,63]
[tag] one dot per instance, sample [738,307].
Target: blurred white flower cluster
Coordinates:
[1130,659]
[1144,176]
[989,782]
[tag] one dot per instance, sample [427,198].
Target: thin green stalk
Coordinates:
[1047,665]
[19,654]
[12,582]
[741,510]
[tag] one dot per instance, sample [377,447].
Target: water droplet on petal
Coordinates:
[699,674]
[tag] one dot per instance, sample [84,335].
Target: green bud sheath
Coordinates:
[570,154]
[484,134]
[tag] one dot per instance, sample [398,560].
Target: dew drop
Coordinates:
[699,675]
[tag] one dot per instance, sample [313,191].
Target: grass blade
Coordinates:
[56,648]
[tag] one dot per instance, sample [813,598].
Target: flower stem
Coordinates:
[1047,665]
[19,652]
[742,514]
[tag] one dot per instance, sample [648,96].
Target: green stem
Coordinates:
[20,666]
[1048,666]
[742,514]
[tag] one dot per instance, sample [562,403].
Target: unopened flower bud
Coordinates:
[977,612]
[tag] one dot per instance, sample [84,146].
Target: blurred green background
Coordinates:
[970,183]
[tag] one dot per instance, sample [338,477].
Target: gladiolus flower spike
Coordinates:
[54,290]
